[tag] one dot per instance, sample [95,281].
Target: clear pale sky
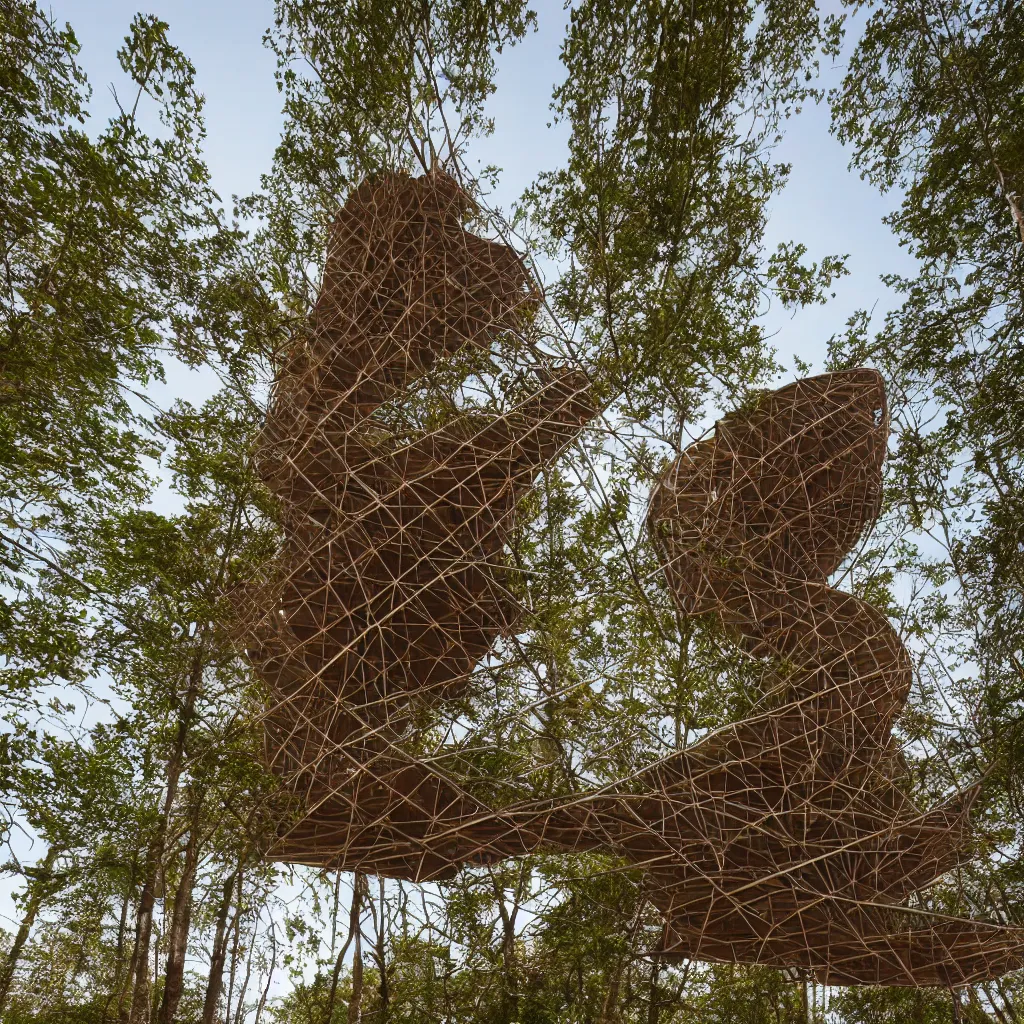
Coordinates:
[825,206]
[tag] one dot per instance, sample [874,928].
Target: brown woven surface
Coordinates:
[785,839]
[810,843]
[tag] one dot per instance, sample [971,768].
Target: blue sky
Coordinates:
[825,206]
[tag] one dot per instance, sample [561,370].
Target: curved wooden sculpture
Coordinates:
[784,839]
[390,587]
[811,845]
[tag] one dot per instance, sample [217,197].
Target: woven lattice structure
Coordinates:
[391,585]
[809,843]
[785,839]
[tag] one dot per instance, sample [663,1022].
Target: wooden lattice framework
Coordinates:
[785,839]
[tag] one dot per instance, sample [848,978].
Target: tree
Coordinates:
[118,258]
[931,107]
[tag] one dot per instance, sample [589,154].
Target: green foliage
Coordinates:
[931,105]
[116,260]
[674,108]
[369,86]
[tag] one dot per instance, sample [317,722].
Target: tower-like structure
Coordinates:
[810,844]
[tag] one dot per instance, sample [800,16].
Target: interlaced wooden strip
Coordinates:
[785,839]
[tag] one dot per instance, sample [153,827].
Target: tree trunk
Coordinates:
[610,1007]
[384,988]
[509,981]
[236,931]
[122,925]
[219,953]
[138,970]
[181,917]
[353,932]
[334,915]
[38,890]
[1010,195]
[355,1003]
[119,989]
[654,1000]
[140,1005]
[236,939]
[270,972]
[240,1008]
[1008,1008]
